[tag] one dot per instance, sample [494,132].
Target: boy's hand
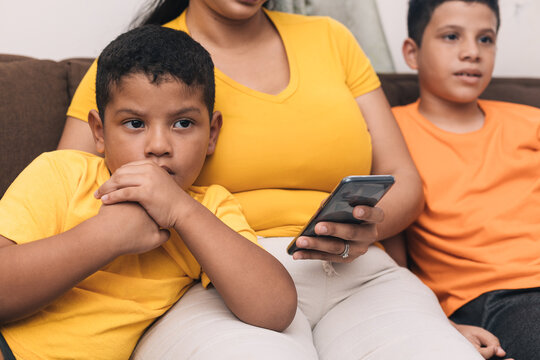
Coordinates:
[148,184]
[131,230]
[331,243]
[485,342]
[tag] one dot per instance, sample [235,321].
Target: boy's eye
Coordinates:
[486,40]
[450,36]
[184,123]
[134,124]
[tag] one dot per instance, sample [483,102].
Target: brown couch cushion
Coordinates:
[76,68]
[521,91]
[33,103]
[400,89]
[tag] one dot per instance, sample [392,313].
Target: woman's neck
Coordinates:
[247,48]
[451,116]
[214,30]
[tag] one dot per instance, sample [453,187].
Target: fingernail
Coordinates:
[297,256]
[96,194]
[105,198]
[301,242]
[323,230]
[360,212]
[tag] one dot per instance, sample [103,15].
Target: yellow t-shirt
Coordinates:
[281,154]
[480,230]
[104,315]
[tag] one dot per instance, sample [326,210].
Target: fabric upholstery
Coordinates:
[35,94]
[33,102]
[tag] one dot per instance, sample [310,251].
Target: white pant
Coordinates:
[372,310]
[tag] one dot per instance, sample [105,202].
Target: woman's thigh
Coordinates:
[200,327]
[395,316]
[319,292]
[371,309]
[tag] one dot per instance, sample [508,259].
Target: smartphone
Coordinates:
[338,207]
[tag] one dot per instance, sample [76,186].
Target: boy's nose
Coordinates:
[470,50]
[157,143]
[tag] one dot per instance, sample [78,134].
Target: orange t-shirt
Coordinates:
[480,230]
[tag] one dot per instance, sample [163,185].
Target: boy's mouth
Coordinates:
[468,74]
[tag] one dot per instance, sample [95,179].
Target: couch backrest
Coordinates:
[35,94]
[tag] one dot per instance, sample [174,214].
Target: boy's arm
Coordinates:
[253,284]
[34,274]
[486,343]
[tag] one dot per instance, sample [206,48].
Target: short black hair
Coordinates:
[420,12]
[161,54]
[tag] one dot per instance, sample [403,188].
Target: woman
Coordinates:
[302,108]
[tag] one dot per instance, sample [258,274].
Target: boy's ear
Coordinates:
[410,53]
[215,126]
[96,126]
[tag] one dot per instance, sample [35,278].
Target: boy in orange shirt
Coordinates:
[86,262]
[477,243]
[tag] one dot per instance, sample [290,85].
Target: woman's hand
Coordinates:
[333,239]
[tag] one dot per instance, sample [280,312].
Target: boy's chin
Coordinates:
[462,97]
[465,99]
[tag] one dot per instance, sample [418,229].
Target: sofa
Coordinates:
[35,94]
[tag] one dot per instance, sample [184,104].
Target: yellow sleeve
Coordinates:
[84,98]
[230,212]
[360,75]
[35,205]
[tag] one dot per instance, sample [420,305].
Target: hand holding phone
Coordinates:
[350,192]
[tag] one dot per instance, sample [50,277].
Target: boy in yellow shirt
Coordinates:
[477,243]
[86,260]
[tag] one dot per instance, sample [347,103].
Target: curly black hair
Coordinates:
[161,54]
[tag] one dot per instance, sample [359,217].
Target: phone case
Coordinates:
[338,207]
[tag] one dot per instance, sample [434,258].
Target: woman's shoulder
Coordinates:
[303,21]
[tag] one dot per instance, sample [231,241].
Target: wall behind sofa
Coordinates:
[518,45]
[59,29]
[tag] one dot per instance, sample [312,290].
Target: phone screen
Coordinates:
[338,207]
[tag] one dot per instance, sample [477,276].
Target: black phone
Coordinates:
[338,207]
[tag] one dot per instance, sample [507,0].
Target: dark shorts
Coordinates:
[4,348]
[511,315]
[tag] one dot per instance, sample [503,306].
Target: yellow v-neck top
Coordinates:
[281,154]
